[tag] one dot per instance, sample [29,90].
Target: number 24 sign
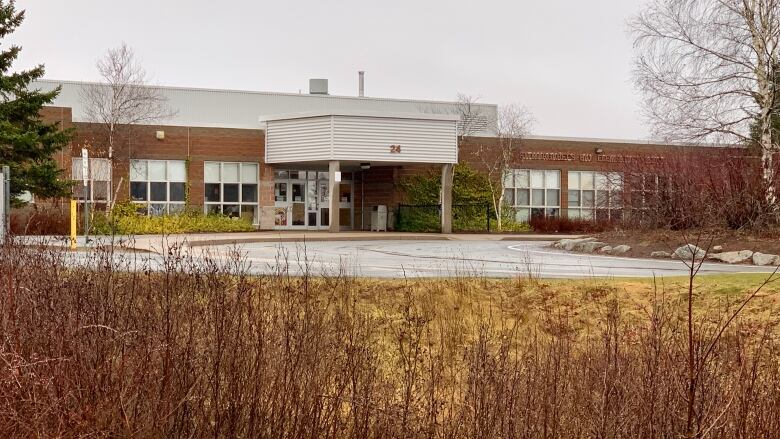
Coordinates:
[395,149]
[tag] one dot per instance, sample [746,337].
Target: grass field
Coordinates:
[580,300]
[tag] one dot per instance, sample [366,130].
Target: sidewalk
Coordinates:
[156,243]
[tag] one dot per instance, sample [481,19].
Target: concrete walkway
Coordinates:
[158,243]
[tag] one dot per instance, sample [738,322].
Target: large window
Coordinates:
[595,195]
[231,189]
[159,186]
[98,189]
[532,193]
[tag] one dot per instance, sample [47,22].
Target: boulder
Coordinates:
[660,254]
[605,250]
[688,252]
[620,249]
[736,257]
[589,246]
[765,259]
[568,244]
[717,248]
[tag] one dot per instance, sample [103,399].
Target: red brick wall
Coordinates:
[62,116]
[381,183]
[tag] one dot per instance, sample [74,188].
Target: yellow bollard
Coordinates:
[73,218]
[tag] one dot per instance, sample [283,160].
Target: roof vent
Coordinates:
[318,86]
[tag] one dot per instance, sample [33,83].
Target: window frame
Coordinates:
[219,206]
[78,180]
[169,206]
[608,209]
[522,180]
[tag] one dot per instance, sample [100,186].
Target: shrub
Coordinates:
[549,224]
[201,349]
[37,219]
[720,187]
[124,220]
[471,199]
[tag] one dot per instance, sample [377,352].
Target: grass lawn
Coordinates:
[579,302]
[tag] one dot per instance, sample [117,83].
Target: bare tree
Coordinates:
[513,124]
[707,71]
[123,98]
[472,118]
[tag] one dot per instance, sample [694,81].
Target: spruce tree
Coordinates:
[27,144]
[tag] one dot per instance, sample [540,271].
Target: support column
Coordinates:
[333,195]
[446,198]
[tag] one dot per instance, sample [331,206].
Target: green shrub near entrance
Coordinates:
[471,199]
[124,220]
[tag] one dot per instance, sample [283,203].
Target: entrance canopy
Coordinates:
[378,138]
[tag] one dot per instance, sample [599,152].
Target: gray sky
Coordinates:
[568,61]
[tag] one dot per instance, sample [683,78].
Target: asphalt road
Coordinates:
[397,259]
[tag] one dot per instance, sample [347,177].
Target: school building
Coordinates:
[318,161]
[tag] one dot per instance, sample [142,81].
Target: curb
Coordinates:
[208,242]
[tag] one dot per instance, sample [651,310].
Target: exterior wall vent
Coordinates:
[318,86]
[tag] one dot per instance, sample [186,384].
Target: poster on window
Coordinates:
[280,216]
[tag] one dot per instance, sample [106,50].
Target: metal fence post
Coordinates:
[7,199]
[487,215]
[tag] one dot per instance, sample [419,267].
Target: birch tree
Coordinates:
[123,98]
[513,124]
[707,70]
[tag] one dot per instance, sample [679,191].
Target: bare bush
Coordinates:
[717,187]
[197,348]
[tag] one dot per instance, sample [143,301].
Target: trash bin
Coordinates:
[379,218]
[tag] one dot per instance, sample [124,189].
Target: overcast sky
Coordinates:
[569,61]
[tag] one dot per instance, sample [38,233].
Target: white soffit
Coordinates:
[361,136]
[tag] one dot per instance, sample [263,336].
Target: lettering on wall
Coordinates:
[395,149]
[587,157]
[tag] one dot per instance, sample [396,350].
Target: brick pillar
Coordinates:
[267,210]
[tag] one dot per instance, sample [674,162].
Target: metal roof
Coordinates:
[377,114]
[203,107]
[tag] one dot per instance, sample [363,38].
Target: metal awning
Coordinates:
[381,138]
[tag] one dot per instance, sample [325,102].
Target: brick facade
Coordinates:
[378,185]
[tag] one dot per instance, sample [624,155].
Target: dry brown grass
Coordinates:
[204,350]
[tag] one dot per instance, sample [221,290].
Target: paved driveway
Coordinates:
[396,259]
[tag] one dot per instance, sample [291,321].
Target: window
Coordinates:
[98,189]
[532,192]
[159,186]
[231,189]
[595,195]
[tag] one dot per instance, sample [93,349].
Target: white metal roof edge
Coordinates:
[268,93]
[376,114]
[655,142]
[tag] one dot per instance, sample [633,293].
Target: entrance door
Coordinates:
[297,203]
[322,193]
[345,205]
[301,201]
[281,205]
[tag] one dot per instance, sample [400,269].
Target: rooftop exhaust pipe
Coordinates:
[361,80]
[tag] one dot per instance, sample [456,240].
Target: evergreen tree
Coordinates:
[27,144]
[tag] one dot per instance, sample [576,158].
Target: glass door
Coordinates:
[297,203]
[322,194]
[312,213]
[281,205]
[301,201]
[345,205]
